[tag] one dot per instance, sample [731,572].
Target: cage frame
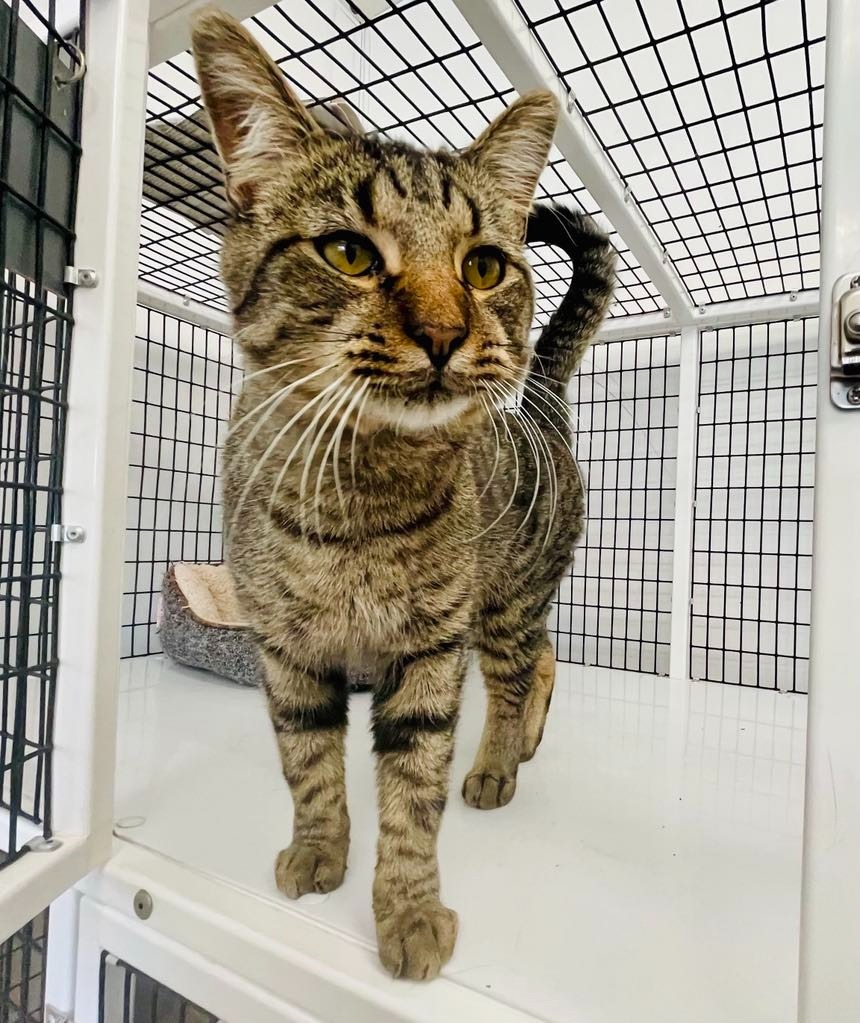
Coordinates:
[89,642]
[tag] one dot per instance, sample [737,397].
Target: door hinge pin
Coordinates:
[67,534]
[81,276]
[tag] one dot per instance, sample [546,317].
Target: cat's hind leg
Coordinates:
[519,670]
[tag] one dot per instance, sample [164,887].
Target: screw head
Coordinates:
[76,534]
[143,904]
[852,326]
[853,394]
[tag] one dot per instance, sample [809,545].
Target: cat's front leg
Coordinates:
[308,711]
[415,710]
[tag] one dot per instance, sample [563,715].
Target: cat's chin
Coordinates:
[418,416]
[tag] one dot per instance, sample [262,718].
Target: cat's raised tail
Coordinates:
[562,343]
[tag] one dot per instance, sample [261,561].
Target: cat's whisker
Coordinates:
[498,447]
[512,498]
[569,444]
[571,415]
[563,406]
[533,400]
[326,393]
[355,435]
[274,443]
[538,458]
[335,408]
[276,398]
[550,461]
[338,437]
[271,369]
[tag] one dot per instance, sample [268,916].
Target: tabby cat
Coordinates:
[382,511]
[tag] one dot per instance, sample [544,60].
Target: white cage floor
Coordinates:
[647,869]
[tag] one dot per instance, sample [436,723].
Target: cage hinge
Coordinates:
[53,1015]
[845,342]
[67,534]
[81,276]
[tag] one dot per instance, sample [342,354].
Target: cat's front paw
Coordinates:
[488,790]
[302,868]
[415,941]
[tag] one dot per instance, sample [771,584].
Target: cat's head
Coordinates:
[382,270]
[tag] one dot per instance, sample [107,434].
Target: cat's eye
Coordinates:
[349,253]
[484,268]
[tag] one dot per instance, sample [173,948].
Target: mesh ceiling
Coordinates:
[710,111]
[415,71]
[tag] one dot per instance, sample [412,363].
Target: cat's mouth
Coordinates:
[434,403]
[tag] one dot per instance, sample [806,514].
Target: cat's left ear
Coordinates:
[257,120]
[515,147]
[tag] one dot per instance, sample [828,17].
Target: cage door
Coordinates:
[72,86]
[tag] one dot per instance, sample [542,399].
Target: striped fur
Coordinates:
[382,514]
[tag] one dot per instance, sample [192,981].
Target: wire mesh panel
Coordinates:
[126,995]
[184,379]
[613,610]
[23,959]
[39,155]
[415,71]
[752,545]
[711,113]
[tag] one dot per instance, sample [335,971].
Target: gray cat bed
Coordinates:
[202,625]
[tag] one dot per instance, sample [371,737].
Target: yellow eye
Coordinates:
[484,268]
[349,253]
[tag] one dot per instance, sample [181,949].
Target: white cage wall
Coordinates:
[751,553]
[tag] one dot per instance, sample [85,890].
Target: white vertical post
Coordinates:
[685,492]
[63,954]
[830,919]
[96,466]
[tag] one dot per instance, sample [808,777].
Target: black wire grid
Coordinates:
[127,995]
[184,380]
[39,155]
[722,153]
[614,608]
[23,959]
[752,545]
[711,114]
[416,71]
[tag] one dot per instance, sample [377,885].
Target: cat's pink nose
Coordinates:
[438,340]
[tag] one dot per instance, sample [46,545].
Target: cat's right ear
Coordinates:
[256,118]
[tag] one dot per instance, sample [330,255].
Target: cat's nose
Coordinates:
[438,340]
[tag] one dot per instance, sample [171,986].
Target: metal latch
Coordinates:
[845,343]
[81,277]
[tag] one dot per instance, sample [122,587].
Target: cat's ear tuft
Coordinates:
[256,118]
[515,147]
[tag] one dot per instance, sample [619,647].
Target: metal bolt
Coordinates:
[143,904]
[87,278]
[853,394]
[792,297]
[570,103]
[666,314]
